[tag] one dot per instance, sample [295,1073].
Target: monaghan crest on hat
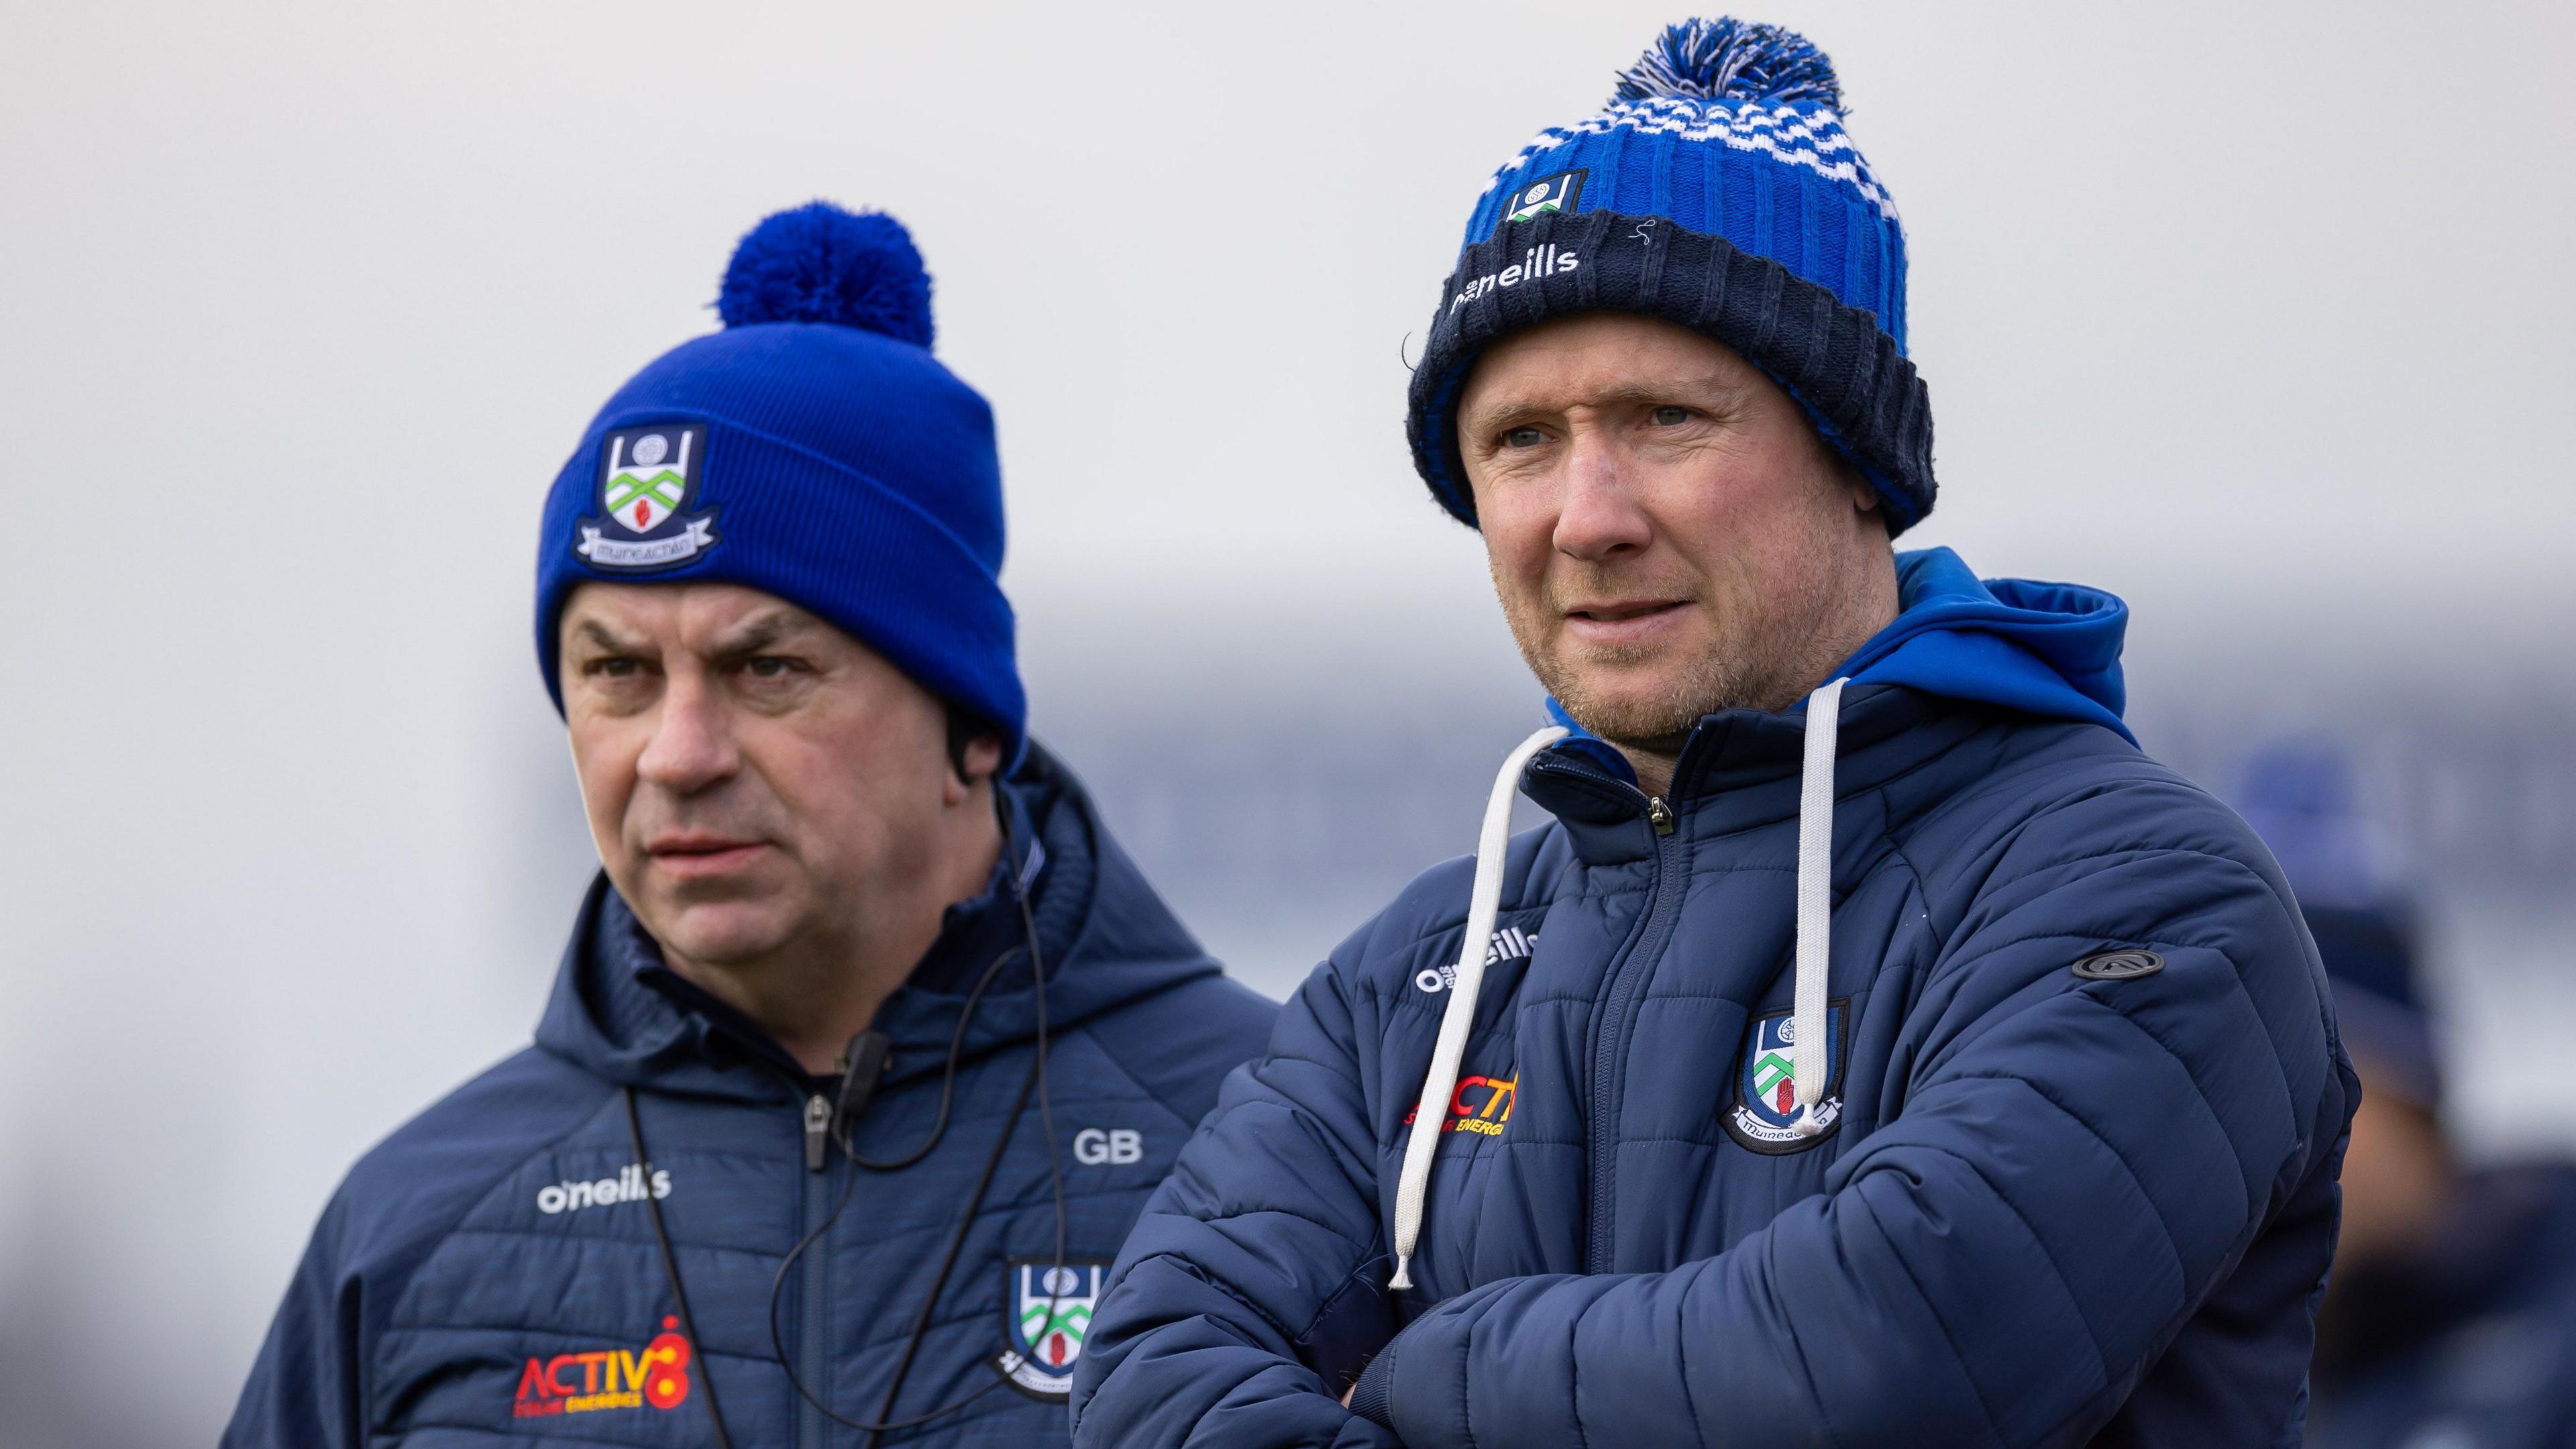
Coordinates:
[648,480]
[1546,194]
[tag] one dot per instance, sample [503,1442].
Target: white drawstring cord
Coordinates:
[1810,1059]
[1484,900]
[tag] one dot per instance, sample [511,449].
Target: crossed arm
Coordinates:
[2075,1166]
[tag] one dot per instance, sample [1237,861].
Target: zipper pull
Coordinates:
[818,1131]
[1659,815]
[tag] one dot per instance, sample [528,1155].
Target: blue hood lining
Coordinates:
[2051,650]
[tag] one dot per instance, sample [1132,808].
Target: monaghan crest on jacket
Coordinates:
[1766,1098]
[1050,1312]
[648,478]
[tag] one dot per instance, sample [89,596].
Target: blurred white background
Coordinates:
[2256,315]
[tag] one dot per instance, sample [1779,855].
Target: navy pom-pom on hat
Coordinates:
[1727,60]
[815,450]
[1718,191]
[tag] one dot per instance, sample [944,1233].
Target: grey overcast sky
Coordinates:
[2258,314]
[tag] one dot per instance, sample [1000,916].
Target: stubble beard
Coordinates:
[1774,641]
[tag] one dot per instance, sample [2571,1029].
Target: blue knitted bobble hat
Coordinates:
[814,450]
[1716,190]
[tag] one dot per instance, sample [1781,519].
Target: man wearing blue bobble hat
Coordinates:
[1876,1048]
[869,1042]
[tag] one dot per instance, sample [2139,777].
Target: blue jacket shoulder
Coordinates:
[391,1212]
[410,1189]
[1179,1043]
[2058,799]
[1434,904]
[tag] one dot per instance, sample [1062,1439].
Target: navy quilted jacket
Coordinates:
[489,1273]
[2050,1207]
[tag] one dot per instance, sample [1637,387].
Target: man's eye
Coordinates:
[769,666]
[614,667]
[1523,437]
[1671,417]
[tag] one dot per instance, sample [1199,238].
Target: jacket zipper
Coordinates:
[818,1132]
[1610,1047]
[813,1348]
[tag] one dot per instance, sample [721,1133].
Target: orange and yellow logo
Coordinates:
[608,1378]
[1480,1105]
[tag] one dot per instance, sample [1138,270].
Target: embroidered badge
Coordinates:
[1765,1092]
[1049,1308]
[1548,193]
[648,479]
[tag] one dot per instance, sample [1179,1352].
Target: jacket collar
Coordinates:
[1740,769]
[621,1013]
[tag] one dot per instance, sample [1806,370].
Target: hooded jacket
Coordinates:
[2041,1151]
[491,1272]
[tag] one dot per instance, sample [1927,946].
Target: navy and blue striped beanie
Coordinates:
[1718,191]
[814,450]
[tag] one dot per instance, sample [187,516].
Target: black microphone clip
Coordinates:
[863,1065]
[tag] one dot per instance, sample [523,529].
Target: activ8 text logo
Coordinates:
[608,1378]
[1482,1105]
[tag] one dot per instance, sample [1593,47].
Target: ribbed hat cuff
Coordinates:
[827,538]
[1841,367]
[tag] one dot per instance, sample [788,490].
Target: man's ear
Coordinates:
[980,760]
[972,760]
[974,754]
[1864,498]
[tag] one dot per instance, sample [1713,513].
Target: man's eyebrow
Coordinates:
[1670,391]
[762,631]
[596,633]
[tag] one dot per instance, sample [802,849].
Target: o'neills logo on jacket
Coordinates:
[627,1186]
[1545,260]
[657,1377]
[1508,944]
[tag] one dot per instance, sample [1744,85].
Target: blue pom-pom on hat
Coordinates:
[819,263]
[1727,59]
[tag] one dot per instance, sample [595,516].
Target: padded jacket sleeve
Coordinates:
[305,1388]
[2076,1163]
[1236,1314]
[311,1383]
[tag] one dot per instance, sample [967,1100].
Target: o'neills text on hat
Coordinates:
[1545,260]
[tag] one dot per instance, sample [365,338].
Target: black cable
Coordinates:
[1055,1174]
[939,1284]
[671,1270]
[947,1077]
[1046,1099]
[845,1135]
[956,1243]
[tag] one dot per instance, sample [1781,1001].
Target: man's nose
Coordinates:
[1599,517]
[693,744]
